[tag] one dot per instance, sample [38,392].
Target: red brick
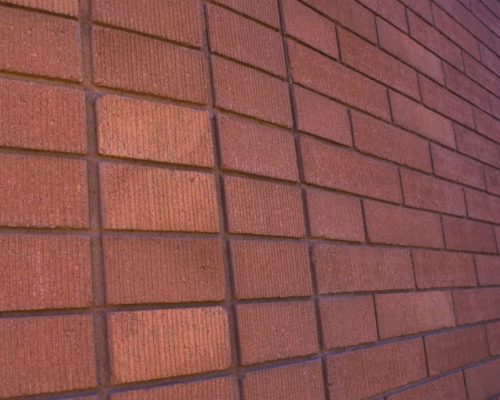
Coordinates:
[322,117]
[50,47]
[483,206]
[270,269]
[350,14]
[493,332]
[363,373]
[489,59]
[337,168]
[246,91]
[370,60]
[481,75]
[487,125]
[391,10]
[495,105]
[409,313]
[310,27]
[488,270]
[315,71]
[43,192]
[145,198]
[455,349]
[153,131]
[195,339]
[132,62]
[257,149]
[443,269]
[444,102]
[49,354]
[421,7]
[414,116]
[240,38]
[497,236]
[295,382]
[451,165]
[462,234]
[42,117]
[476,305]
[486,16]
[271,331]
[359,269]
[163,270]
[262,10]
[405,48]
[403,226]
[482,381]
[219,388]
[67,7]
[386,141]
[347,321]
[335,216]
[39,272]
[449,387]
[175,20]
[477,146]
[263,208]
[492,180]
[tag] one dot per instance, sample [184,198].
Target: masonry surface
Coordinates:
[250,199]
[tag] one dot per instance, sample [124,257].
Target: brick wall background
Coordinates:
[250,199]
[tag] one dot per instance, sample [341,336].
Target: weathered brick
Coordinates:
[146,198]
[358,269]
[449,387]
[481,75]
[257,149]
[391,10]
[271,331]
[263,10]
[347,321]
[336,168]
[367,372]
[493,333]
[492,176]
[153,131]
[488,270]
[483,206]
[477,146]
[270,269]
[132,62]
[474,305]
[487,125]
[462,234]
[195,339]
[67,7]
[397,225]
[482,381]
[49,354]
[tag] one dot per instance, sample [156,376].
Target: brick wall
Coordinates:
[250,199]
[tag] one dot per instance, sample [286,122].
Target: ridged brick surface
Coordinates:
[450,387]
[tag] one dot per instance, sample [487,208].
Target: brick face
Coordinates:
[461,234]
[449,387]
[475,305]
[67,7]
[488,270]
[482,381]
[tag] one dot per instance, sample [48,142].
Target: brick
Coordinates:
[455,349]
[497,236]
[312,69]
[270,269]
[443,269]
[263,208]
[42,272]
[489,59]
[271,331]
[196,340]
[403,226]
[420,7]
[488,270]
[486,16]
[43,192]
[476,305]
[157,270]
[483,206]
[240,38]
[246,91]
[449,387]
[219,388]
[42,117]
[257,149]
[131,62]
[262,10]
[493,332]
[145,198]
[296,382]
[322,117]
[336,168]
[477,146]
[413,116]
[66,7]
[409,51]
[56,353]
[444,102]
[308,26]
[492,180]
[363,373]
[335,216]
[175,20]
[495,105]
[481,75]
[467,235]
[347,321]
[391,10]
[359,269]
[50,47]
[370,60]
[451,165]
[153,131]
[482,381]
[386,141]
[487,125]
[401,314]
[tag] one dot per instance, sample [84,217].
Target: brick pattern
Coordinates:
[250,199]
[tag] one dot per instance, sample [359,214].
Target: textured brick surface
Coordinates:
[449,387]
[461,234]
[482,381]
[262,10]
[67,7]
[493,332]
[482,206]
[477,146]
[488,270]
[476,305]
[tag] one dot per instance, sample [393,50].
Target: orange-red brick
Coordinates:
[493,332]
[464,234]
[67,7]
[482,381]
[449,387]
[265,11]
